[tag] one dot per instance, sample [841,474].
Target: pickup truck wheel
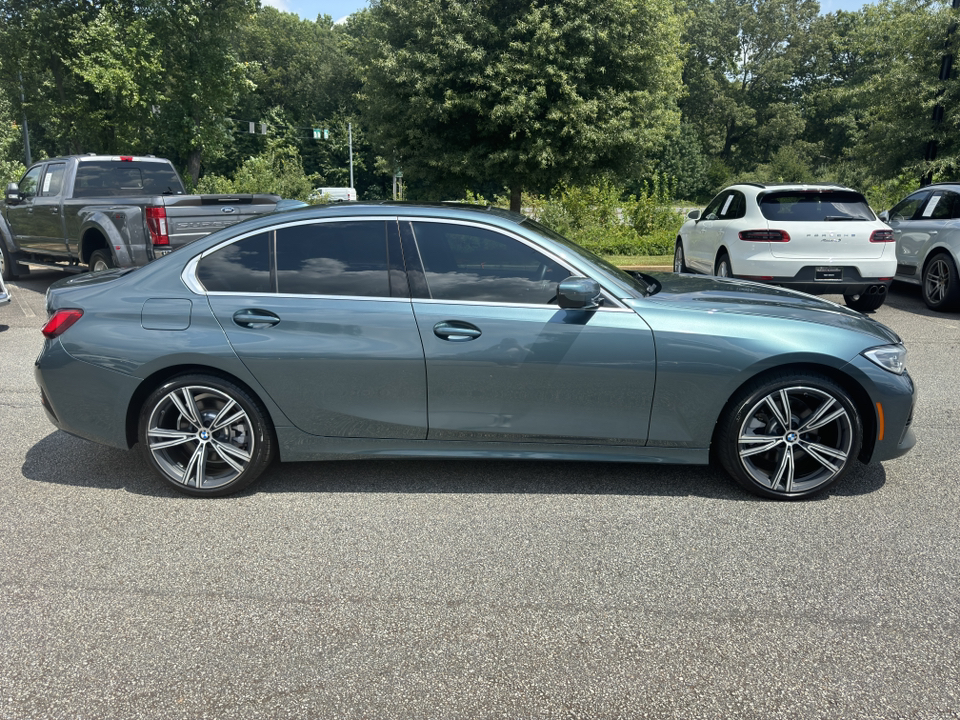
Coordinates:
[101,260]
[9,270]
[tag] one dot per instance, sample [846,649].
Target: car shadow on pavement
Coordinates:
[96,466]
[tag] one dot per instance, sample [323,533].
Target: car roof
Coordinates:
[802,187]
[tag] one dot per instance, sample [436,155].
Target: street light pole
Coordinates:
[350,138]
[26,128]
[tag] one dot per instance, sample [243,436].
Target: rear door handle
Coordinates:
[255,319]
[456,331]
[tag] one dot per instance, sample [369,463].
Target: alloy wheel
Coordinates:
[200,437]
[936,281]
[795,439]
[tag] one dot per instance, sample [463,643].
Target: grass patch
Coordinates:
[628,260]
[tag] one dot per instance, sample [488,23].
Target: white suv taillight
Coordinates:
[157,225]
[765,235]
[880,236]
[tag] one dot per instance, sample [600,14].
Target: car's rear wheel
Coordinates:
[101,260]
[679,261]
[941,284]
[789,436]
[864,302]
[205,435]
[723,268]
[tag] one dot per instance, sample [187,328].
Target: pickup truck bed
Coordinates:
[95,212]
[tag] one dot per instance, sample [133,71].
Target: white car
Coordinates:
[334,194]
[820,239]
[926,225]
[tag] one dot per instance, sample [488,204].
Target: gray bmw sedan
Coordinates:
[378,330]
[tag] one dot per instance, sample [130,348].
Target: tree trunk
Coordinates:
[193,165]
[515,194]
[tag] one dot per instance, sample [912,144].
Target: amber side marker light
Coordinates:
[879,422]
[60,322]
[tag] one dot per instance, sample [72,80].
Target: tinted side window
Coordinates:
[243,266]
[28,183]
[712,211]
[469,263]
[940,206]
[53,180]
[735,206]
[337,258]
[906,209]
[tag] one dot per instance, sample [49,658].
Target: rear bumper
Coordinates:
[826,279]
[82,399]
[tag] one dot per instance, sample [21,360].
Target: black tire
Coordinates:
[101,260]
[723,268]
[679,261]
[205,435]
[9,270]
[940,283]
[864,302]
[772,460]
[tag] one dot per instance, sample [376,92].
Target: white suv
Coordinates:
[819,239]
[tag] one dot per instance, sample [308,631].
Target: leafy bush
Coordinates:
[277,170]
[603,220]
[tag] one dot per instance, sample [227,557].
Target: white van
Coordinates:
[334,194]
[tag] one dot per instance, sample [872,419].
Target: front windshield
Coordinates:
[630,279]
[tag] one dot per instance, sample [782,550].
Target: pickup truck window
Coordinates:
[28,183]
[53,180]
[120,179]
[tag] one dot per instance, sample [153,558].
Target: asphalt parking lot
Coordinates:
[440,589]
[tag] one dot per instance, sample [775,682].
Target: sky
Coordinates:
[339,9]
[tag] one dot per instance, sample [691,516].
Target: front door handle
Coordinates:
[255,319]
[456,331]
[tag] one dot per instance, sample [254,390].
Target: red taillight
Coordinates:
[765,235]
[126,158]
[157,225]
[60,322]
[882,236]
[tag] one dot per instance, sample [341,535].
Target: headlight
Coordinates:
[892,358]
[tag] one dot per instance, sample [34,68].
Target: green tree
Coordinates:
[744,59]
[525,93]
[887,109]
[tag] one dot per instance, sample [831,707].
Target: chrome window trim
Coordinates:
[366,298]
[544,306]
[573,268]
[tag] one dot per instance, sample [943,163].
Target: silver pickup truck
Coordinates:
[96,212]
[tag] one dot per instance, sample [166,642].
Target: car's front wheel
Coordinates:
[679,261]
[205,435]
[940,283]
[864,302]
[9,270]
[789,436]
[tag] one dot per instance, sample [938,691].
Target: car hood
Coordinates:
[742,297]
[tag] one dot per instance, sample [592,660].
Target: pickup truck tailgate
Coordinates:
[193,217]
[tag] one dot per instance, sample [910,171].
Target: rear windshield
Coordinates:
[118,178]
[807,206]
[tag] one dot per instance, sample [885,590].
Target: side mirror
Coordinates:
[694,214]
[884,216]
[578,293]
[12,196]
